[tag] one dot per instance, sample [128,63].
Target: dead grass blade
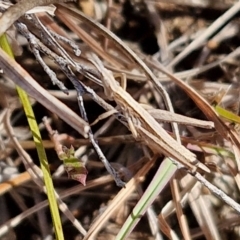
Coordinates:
[166,116]
[179,211]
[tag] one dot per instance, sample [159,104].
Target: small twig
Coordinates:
[82,90]
[50,41]
[56,138]
[101,156]
[71,43]
[218,192]
[50,73]
[34,43]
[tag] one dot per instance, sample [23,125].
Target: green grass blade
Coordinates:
[230,116]
[161,178]
[40,149]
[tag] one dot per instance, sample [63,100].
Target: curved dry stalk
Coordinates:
[16,11]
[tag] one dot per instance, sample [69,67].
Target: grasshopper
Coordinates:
[144,125]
